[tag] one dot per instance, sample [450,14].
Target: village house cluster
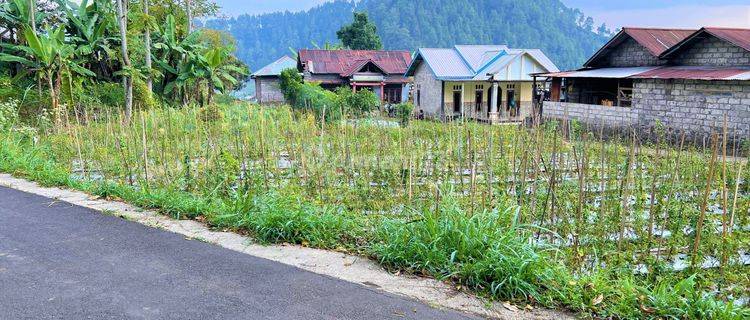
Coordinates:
[695,81]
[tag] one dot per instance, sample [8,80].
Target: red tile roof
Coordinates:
[657,40]
[341,62]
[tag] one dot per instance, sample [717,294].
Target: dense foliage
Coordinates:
[64,55]
[361,34]
[564,34]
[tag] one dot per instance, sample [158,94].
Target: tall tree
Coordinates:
[147,47]
[127,80]
[361,34]
[189,12]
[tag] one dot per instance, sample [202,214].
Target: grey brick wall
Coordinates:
[699,107]
[431,92]
[695,107]
[267,90]
[614,117]
[630,54]
[712,51]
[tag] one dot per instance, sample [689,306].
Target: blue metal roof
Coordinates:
[475,62]
[275,68]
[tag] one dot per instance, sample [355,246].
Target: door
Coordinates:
[511,105]
[457,101]
[479,99]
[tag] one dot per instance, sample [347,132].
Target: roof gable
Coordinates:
[655,40]
[735,36]
[342,62]
[476,62]
[275,68]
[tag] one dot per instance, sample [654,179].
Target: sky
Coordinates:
[644,13]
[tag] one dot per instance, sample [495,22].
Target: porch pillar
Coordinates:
[494,116]
[354,87]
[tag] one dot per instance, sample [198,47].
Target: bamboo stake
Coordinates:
[704,205]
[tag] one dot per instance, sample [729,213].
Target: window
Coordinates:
[419,97]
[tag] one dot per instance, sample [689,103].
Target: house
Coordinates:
[379,71]
[267,90]
[484,82]
[688,81]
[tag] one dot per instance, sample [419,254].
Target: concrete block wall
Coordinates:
[631,54]
[696,107]
[430,90]
[712,51]
[268,90]
[595,115]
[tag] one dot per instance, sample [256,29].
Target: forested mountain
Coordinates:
[564,34]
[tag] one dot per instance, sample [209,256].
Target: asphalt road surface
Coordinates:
[59,261]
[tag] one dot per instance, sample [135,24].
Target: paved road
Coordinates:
[66,262]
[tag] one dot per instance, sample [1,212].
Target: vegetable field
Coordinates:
[553,215]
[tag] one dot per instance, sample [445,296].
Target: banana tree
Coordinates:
[173,58]
[91,27]
[48,55]
[218,71]
[17,16]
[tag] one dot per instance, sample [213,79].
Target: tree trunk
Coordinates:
[189,11]
[127,81]
[55,107]
[147,45]
[32,15]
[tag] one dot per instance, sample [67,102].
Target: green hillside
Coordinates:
[564,34]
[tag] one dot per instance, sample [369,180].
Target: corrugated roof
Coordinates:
[476,56]
[474,62]
[275,68]
[608,73]
[694,73]
[655,40]
[342,61]
[445,63]
[736,36]
[658,40]
[672,72]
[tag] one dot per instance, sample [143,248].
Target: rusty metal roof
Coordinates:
[671,72]
[341,62]
[735,36]
[695,73]
[658,40]
[655,40]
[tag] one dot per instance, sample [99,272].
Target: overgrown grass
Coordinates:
[283,177]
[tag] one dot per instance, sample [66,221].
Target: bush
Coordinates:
[403,112]
[289,82]
[8,114]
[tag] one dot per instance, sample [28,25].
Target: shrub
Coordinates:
[289,82]
[403,112]
[8,114]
